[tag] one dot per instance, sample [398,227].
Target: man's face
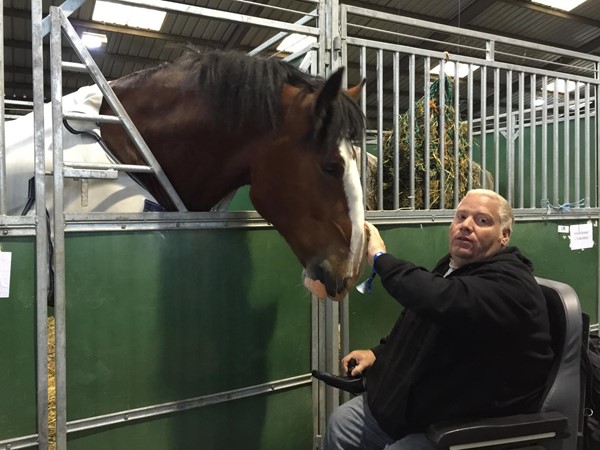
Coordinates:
[475,231]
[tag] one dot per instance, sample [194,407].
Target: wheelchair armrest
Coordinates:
[445,434]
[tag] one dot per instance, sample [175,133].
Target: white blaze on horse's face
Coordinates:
[357,251]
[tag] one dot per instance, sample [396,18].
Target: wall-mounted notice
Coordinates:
[582,236]
[5,260]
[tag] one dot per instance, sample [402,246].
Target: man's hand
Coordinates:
[363,358]
[374,244]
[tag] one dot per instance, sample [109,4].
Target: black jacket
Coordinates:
[473,344]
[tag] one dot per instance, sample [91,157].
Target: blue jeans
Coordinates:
[352,426]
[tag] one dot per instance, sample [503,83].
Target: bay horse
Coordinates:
[218,120]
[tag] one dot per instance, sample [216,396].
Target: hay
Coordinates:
[51,384]
[435,162]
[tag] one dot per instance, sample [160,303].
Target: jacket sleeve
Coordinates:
[491,299]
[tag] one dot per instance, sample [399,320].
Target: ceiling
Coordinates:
[129,50]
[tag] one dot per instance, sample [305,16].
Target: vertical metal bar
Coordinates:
[456,135]
[566,144]
[411,131]
[396,130]
[497,129]
[586,146]
[442,132]
[363,105]
[555,149]
[545,138]
[483,107]
[532,141]
[577,148]
[470,126]
[510,142]
[41,229]
[521,168]
[3,183]
[59,229]
[427,125]
[380,129]
[314,362]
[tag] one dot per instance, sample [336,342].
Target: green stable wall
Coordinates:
[372,317]
[154,317]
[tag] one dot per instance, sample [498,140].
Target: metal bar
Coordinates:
[380,156]
[282,34]
[74,67]
[483,124]
[532,141]
[497,130]
[119,111]
[510,143]
[59,226]
[456,135]
[555,149]
[521,165]
[20,442]
[107,166]
[470,127]
[92,118]
[363,106]
[396,131]
[577,148]
[442,133]
[427,126]
[566,145]
[544,138]
[162,409]
[41,235]
[467,33]
[587,147]
[411,131]
[68,7]
[3,182]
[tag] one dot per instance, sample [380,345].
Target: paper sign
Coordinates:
[563,229]
[5,260]
[581,236]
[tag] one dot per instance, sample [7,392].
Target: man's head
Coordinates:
[481,226]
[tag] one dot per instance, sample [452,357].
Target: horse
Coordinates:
[218,120]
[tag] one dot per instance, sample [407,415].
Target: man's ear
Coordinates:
[505,237]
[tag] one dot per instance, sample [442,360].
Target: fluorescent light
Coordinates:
[565,5]
[93,40]
[296,42]
[562,87]
[463,69]
[131,16]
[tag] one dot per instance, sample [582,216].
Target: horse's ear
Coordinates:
[325,99]
[354,91]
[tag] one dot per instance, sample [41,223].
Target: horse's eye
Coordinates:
[334,169]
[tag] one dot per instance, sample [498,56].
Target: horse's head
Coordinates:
[307,184]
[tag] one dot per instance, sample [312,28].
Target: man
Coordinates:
[472,341]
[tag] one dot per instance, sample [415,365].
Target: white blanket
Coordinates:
[120,195]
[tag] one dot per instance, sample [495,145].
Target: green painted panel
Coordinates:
[17,343]
[154,317]
[273,422]
[559,155]
[372,317]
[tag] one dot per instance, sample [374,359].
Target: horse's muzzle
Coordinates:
[323,283]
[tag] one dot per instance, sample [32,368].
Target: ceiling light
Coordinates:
[562,86]
[131,16]
[93,40]
[565,5]
[296,42]
[463,69]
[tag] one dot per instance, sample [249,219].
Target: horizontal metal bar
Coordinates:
[465,59]
[74,67]
[183,405]
[109,166]
[97,174]
[20,442]
[17,221]
[438,27]
[92,118]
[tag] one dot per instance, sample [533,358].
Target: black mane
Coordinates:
[246,89]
